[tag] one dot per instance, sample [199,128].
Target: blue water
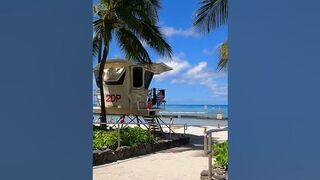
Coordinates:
[198,110]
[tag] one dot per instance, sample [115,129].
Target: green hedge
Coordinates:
[103,138]
[220,151]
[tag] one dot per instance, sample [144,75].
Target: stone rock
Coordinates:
[127,152]
[104,155]
[218,177]
[204,178]
[142,149]
[176,143]
[139,150]
[167,144]
[134,151]
[159,145]
[122,152]
[149,148]
[96,157]
[204,173]
[112,157]
[184,140]
[217,174]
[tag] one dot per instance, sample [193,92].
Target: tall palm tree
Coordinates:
[211,15]
[130,22]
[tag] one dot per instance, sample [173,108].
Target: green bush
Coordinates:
[103,138]
[220,150]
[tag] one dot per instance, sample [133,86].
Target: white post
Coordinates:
[170,126]
[170,130]
[118,134]
[210,156]
[205,141]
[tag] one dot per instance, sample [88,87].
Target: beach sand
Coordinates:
[185,162]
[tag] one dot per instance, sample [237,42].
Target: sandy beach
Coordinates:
[185,162]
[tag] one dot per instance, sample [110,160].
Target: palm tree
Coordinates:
[130,22]
[223,56]
[211,15]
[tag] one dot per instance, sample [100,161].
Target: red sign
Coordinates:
[113,97]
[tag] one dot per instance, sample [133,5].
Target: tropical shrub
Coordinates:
[103,138]
[220,151]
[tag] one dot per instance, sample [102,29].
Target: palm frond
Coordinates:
[132,21]
[147,31]
[211,14]
[96,44]
[138,9]
[155,39]
[223,56]
[131,46]
[97,36]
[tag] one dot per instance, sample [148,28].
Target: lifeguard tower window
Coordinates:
[114,75]
[147,79]
[119,82]
[137,74]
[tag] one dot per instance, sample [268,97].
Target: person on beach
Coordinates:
[149,104]
[171,120]
[122,120]
[171,123]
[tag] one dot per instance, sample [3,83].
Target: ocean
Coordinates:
[198,110]
[196,115]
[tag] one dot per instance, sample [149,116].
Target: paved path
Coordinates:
[184,162]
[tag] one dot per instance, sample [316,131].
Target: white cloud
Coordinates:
[177,62]
[171,31]
[197,69]
[202,75]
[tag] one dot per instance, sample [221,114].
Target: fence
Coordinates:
[207,142]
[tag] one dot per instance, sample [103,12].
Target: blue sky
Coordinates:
[194,78]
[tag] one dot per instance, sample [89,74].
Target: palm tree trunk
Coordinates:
[101,68]
[100,50]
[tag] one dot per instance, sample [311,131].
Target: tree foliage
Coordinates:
[211,15]
[130,22]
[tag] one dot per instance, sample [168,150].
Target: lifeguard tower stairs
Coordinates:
[147,118]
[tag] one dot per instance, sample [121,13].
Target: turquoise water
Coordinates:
[198,110]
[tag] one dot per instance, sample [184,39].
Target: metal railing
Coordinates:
[207,142]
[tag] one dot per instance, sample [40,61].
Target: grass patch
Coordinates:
[221,152]
[103,138]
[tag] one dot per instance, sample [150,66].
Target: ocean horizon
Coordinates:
[182,109]
[198,114]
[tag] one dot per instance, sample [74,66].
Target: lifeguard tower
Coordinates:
[127,94]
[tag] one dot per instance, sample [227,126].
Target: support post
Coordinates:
[210,156]
[118,134]
[170,130]
[165,124]
[205,140]
[205,145]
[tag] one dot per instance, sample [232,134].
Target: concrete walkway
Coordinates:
[185,162]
